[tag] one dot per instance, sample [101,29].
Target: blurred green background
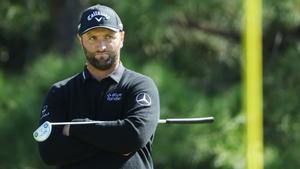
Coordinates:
[193,51]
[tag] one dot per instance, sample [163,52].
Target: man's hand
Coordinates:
[66,129]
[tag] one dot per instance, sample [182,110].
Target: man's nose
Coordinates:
[102,45]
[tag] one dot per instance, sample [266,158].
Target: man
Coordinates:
[105,90]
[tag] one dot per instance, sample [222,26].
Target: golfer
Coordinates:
[127,102]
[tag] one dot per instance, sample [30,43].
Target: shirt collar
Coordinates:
[116,75]
[86,74]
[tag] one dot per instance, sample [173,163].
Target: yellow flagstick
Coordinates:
[253,83]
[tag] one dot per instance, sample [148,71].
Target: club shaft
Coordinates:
[186,120]
[161,121]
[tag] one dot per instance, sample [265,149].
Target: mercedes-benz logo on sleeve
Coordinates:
[143,99]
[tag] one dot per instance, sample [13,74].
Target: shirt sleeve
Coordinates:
[59,149]
[135,130]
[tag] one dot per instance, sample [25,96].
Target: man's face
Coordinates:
[102,47]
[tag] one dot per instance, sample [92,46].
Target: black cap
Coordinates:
[99,16]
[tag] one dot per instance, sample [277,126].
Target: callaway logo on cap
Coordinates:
[99,16]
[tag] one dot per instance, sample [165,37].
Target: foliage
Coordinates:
[20,101]
[23,25]
[281,108]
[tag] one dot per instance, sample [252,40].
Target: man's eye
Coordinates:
[109,37]
[92,38]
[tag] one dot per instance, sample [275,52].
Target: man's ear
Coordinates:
[122,38]
[80,39]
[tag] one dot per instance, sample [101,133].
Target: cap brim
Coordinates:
[107,27]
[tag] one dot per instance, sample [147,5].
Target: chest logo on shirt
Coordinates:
[44,112]
[143,99]
[114,96]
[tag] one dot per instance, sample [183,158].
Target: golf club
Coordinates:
[43,132]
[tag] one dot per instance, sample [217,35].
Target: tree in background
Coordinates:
[29,28]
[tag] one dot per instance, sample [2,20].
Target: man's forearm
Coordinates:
[121,136]
[60,150]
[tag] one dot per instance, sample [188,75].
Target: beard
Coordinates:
[103,63]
